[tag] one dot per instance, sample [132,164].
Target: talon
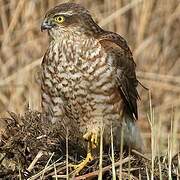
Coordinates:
[92,138]
[84,163]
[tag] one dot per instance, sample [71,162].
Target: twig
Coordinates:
[119,12]
[48,168]
[159,77]
[112,156]
[107,168]
[57,170]
[67,152]
[21,71]
[162,85]
[44,170]
[13,21]
[100,172]
[38,156]
[140,154]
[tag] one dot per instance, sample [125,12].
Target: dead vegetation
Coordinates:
[151,28]
[32,148]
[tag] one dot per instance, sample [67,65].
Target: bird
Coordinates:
[89,81]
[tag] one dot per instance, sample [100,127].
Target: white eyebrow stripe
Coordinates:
[65,13]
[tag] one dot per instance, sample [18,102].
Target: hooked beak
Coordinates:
[46,25]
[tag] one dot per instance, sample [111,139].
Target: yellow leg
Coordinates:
[92,139]
[88,159]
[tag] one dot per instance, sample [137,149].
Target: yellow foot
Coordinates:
[80,166]
[92,137]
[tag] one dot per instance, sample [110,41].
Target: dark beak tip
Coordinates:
[45,26]
[42,28]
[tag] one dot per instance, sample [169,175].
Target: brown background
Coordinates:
[152,29]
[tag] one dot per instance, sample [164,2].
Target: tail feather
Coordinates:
[131,134]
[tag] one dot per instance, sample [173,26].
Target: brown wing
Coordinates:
[121,59]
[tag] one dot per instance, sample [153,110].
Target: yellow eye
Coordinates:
[59,19]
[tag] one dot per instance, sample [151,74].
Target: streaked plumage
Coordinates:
[88,78]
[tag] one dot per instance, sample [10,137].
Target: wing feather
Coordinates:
[121,59]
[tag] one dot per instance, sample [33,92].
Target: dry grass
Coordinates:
[32,148]
[151,28]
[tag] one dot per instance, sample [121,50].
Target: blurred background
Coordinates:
[152,30]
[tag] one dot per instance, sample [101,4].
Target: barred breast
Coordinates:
[78,85]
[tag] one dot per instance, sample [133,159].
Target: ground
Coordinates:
[32,148]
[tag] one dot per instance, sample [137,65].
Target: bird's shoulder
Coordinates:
[121,56]
[114,43]
[113,39]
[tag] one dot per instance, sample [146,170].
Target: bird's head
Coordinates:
[69,18]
